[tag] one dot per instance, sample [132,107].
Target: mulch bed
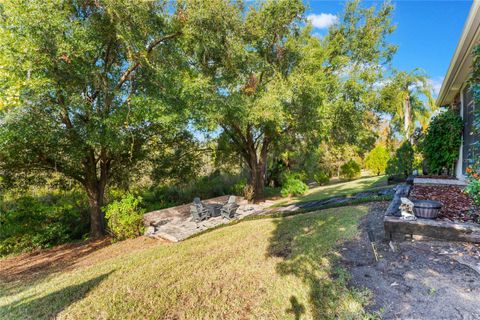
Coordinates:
[456,205]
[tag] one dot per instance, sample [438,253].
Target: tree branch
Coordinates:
[133,67]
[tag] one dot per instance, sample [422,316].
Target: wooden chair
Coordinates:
[198,211]
[230,208]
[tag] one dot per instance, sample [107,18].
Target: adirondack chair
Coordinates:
[199,211]
[230,208]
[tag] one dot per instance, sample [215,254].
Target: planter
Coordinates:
[426,209]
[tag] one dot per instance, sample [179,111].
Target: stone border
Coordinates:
[447,182]
[425,227]
[432,228]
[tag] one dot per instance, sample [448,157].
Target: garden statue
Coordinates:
[406,209]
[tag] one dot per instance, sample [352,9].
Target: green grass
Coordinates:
[277,268]
[336,189]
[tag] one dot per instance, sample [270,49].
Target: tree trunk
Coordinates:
[257,180]
[257,163]
[408,119]
[254,152]
[96,193]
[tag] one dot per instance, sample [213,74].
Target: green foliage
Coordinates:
[293,185]
[206,187]
[322,177]
[87,88]
[276,172]
[125,217]
[239,187]
[260,75]
[475,87]
[29,223]
[473,186]
[100,90]
[350,170]
[473,171]
[408,97]
[357,47]
[402,162]
[442,142]
[473,190]
[242,188]
[377,159]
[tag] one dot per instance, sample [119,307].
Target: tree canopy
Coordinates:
[86,87]
[264,80]
[377,159]
[94,90]
[408,96]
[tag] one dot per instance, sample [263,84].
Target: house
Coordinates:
[455,91]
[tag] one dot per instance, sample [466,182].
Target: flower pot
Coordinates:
[426,209]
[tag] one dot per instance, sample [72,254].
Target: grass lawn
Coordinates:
[278,268]
[335,189]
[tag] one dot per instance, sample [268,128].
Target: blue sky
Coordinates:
[427,31]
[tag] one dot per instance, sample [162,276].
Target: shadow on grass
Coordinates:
[306,245]
[48,306]
[297,308]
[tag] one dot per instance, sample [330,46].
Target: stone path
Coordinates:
[175,224]
[334,200]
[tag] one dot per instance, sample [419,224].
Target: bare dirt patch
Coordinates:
[419,280]
[67,257]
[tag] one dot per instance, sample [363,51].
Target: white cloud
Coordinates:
[436,84]
[322,20]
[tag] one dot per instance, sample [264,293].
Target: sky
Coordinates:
[426,34]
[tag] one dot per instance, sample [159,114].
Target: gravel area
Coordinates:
[414,279]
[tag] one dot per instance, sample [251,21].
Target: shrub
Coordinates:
[276,172]
[214,185]
[239,187]
[350,170]
[322,177]
[293,185]
[402,163]
[442,142]
[125,217]
[473,186]
[377,159]
[28,223]
[248,193]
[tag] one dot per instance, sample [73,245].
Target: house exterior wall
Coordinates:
[465,105]
[455,92]
[458,106]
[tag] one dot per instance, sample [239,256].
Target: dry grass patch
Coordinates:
[263,269]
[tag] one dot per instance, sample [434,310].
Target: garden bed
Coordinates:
[455,222]
[456,205]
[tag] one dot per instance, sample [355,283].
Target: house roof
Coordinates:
[461,63]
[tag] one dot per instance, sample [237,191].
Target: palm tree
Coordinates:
[408,97]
